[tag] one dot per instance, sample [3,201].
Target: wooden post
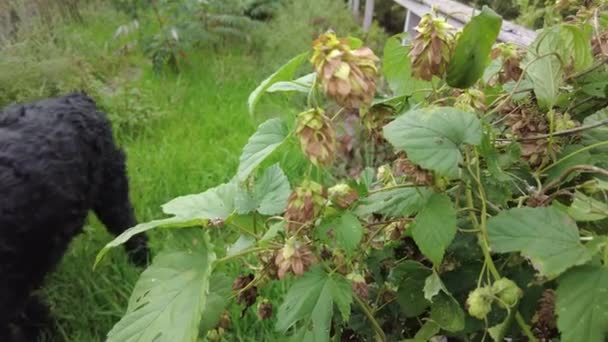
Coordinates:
[356,9]
[369,15]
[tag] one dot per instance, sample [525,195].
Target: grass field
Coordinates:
[194,146]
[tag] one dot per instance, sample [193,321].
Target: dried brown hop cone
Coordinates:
[342,195]
[431,48]
[544,324]
[304,205]
[359,285]
[294,257]
[246,294]
[413,172]
[348,76]
[264,309]
[511,61]
[317,136]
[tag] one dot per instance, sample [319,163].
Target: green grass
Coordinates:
[195,146]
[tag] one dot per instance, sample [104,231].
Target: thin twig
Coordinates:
[583,168]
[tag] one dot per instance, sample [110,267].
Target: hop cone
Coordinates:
[295,258]
[348,76]
[471,100]
[511,60]
[430,53]
[342,195]
[413,172]
[304,204]
[317,136]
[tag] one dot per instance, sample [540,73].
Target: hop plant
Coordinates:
[304,205]
[294,257]
[414,173]
[359,285]
[347,76]
[431,48]
[472,100]
[479,302]
[507,291]
[342,195]
[246,294]
[264,309]
[511,61]
[317,136]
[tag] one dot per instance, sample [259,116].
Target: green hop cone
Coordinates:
[471,100]
[304,205]
[317,136]
[347,76]
[479,302]
[511,61]
[507,291]
[431,48]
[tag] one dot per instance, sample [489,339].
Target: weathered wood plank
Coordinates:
[368,15]
[458,14]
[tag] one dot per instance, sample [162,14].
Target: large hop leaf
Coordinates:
[348,76]
[430,53]
[317,136]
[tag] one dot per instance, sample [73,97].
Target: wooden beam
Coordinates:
[356,8]
[368,15]
[458,15]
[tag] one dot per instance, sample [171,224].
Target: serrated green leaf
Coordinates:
[544,68]
[447,313]
[217,300]
[347,232]
[410,278]
[576,46]
[435,227]
[396,67]
[393,203]
[269,194]
[545,235]
[595,84]
[472,51]
[189,211]
[310,301]
[597,134]
[585,208]
[268,137]
[342,295]
[284,73]
[302,85]
[432,138]
[582,304]
[169,298]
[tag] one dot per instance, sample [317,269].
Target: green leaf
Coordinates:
[595,84]
[576,46]
[347,232]
[269,194]
[432,138]
[447,313]
[426,332]
[580,158]
[582,304]
[435,227]
[241,244]
[284,73]
[397,68]
[544,68]
[189,211]
[597,134]
[169,298]
[393,203]
[547,236]
[410,277]
[432,286]
[302,85]
[310,301]
[273,231]
[585,208]
[472,51]
[269,136]
[217,300]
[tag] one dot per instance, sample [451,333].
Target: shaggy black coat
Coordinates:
[58,160]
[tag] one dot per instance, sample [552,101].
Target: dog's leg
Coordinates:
[114,208]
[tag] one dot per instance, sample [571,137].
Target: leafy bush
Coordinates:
[488,219]
[173,27]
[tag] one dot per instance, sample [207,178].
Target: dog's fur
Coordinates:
[58,160]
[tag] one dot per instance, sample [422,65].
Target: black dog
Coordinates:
[58,160]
